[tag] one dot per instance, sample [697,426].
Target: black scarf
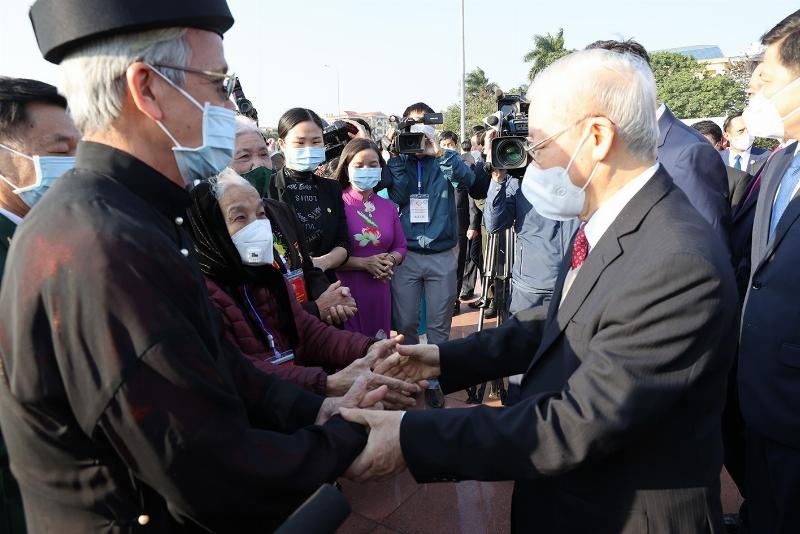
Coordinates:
[220,261]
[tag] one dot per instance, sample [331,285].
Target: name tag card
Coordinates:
[418,206]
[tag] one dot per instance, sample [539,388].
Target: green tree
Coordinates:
[477,83]
[691,91]
[546,49]
[478,107]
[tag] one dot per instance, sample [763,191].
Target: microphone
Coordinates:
[322,513]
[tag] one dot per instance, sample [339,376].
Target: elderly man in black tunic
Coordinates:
[122,404]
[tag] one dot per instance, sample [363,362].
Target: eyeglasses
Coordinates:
[534,148]
[228,80]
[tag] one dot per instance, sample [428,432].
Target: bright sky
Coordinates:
[392,53]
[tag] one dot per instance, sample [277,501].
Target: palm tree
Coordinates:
[547,48]
[477,83]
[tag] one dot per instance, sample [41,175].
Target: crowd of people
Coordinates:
[201,325]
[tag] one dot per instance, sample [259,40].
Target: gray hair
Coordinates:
[92,78]
[245,124]
[618,86]
[227,177]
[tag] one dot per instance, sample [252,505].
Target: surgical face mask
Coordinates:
[552,193]
[47,168]
[254,243]
[305,159]
[742,142]
[219,141]
[260,178]
[763,119]
[364,178]
[476,154]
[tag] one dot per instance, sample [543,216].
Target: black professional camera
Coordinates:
[511,123]
[244,106]
[406,141]
[335,137]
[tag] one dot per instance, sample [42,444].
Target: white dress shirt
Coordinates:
[744,162]
[16,219]
[606,214]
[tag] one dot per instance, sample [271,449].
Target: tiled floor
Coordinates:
[400,505]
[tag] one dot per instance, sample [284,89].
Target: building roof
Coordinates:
[699,52]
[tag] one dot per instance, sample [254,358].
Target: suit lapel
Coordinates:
[787,219]
[769,186]
[607,250]
[664,124]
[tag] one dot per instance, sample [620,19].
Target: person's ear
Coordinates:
[141,84]
[601,136]
[282,145]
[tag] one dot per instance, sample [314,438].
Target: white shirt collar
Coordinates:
[16,219]
[745,158]
[607,213]
[660,111]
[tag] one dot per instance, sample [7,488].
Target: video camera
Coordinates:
[406,141]
[511,123]
[335,137]
[244,106]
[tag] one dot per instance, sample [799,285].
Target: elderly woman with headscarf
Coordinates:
[312,288]
[233,239]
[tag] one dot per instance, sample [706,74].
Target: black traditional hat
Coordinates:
[62,25]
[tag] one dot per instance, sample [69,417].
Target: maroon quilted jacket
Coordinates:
[319,344]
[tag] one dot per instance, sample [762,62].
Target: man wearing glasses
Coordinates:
[124,405]
[618,428]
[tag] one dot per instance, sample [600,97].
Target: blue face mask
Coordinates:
[304,159]
[219,141]
[47,168]
[364,178]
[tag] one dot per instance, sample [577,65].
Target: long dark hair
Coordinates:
[220,261]
[295,116]
[350,150]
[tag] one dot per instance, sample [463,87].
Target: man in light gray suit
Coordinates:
[618,428]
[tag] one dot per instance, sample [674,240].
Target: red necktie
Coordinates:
[580,248]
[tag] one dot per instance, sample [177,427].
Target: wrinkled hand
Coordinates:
[472,234]
[336,305]
[358,396]
[400,394]
[382,457]
[411,363]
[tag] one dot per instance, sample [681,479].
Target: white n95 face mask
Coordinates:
[551,192]
[763,119]
[254,243]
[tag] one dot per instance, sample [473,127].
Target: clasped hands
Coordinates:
[383,457]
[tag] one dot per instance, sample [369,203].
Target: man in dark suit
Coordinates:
[769,346]
[618,429]
[694,165]
[741,154]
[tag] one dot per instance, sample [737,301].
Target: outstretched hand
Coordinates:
[358,396]
[382,457]
[411,363]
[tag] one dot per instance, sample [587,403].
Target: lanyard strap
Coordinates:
[264,329]
[419,176]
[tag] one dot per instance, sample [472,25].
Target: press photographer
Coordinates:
[420,178]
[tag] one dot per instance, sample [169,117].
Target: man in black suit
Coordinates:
[741,154]
[694,165]
[618,429]
[769,346]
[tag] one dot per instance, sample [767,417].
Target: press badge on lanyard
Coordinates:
[298,283]
[418,204]
[277,357]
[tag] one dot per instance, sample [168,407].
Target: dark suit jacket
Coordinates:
[738,184]
[697,169]
[769,349]
[619,426]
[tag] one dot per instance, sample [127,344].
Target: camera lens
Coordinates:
[510,154]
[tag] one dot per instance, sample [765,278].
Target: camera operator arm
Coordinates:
[396,180]
[455,170]
[501,205]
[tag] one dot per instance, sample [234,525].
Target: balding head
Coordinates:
[598,82]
